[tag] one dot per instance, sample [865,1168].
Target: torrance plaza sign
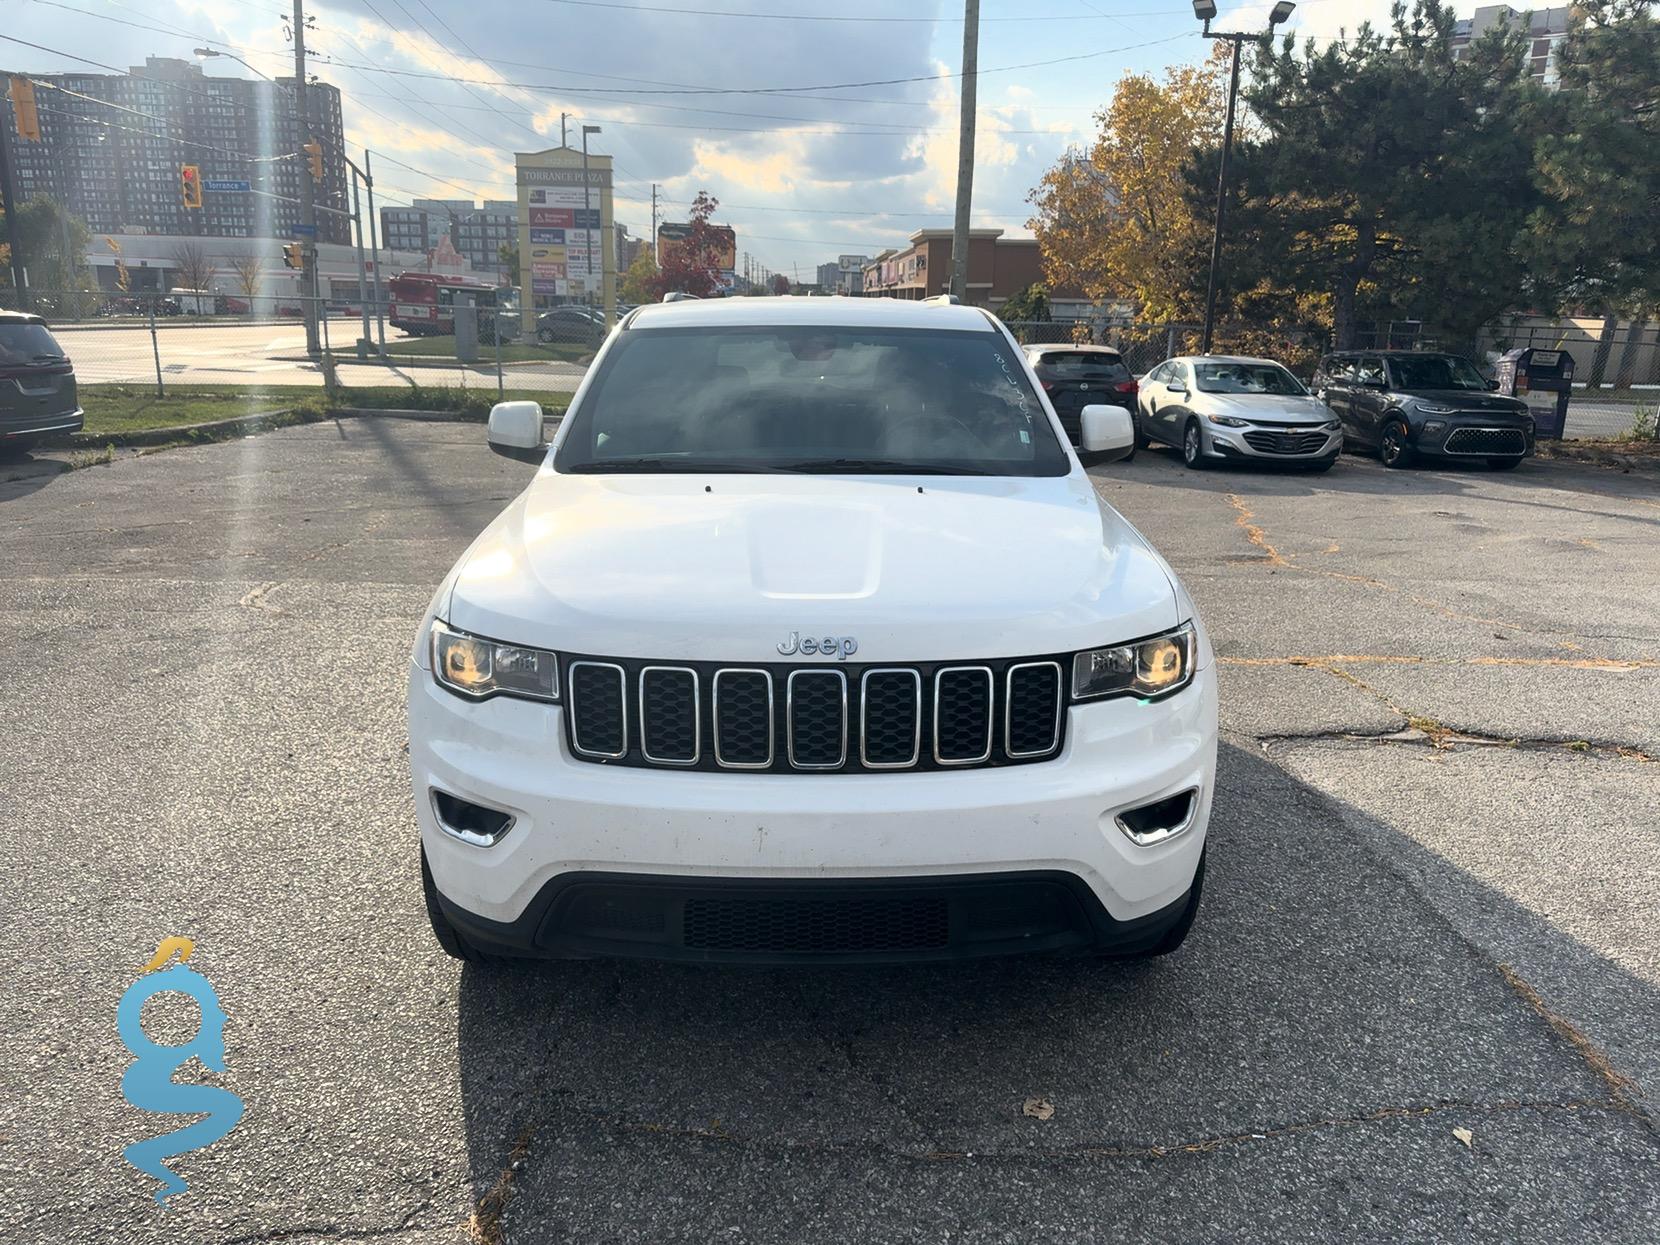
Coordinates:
[567,247]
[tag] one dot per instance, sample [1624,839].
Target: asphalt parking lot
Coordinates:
[1421,1002]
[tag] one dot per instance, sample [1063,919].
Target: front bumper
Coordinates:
[1277,443]
[1035,842]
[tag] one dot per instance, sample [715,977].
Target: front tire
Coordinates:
[1193,446]
[1394,450]
[449,938]
[1142,440]
[545,336]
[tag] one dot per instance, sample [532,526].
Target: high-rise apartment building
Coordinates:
[112,145]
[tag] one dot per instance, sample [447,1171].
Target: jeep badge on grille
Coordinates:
[841,647]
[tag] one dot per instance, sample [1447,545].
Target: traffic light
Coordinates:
[190,185]
[293,255]
[314,157]
[23,108]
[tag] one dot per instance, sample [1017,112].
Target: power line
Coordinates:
[818,17]
[554,89]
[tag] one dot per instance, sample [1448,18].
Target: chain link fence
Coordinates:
[168,341]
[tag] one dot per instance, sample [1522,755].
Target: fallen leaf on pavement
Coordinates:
[1039,1108]
[1464,1135]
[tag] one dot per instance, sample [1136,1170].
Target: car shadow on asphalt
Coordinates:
[28,473]
[1319,997]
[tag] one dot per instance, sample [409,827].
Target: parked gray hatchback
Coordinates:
[37,383]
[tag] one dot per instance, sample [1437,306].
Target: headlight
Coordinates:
[477,668]
[1150,667]
[1332,425]
[1435,408]
[1228,421]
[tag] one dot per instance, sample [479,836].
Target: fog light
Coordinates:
[1433,427]
[1161,820]
[474,824]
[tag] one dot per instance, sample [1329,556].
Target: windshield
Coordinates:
[22,344]
[808,398]
[1246,378]
[1436,371]
[1083,365]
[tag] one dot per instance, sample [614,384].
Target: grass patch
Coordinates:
[511,352]
[112,410]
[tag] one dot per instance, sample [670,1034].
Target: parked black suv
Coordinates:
[37,383]
[1407,403]
[1078,376]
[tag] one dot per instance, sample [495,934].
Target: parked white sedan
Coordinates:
[1217,407]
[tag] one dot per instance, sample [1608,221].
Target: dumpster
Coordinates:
[1543,379]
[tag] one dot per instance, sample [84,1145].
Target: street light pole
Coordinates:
[965,149]
[1205,10]
[587,232]
[308,204]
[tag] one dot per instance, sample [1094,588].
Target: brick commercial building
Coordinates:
[998,268]
[118,167]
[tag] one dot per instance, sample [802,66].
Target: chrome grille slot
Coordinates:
[1032,709]
[963,715]
[599,709]
[743,715]
[890,718]
[816,717]
[670,715]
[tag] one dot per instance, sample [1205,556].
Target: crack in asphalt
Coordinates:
[484,1225]
[1446,739]
[1622,1090]
[332,1231]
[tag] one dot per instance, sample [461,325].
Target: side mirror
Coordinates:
[1177,386]
[516,431]
[1107,432]
[1492,386]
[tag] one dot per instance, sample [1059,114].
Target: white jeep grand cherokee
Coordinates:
[810,641]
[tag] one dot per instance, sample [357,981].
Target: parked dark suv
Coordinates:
[1078,376]
[37,383]
[1403,404]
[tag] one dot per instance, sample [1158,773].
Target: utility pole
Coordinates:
[365,343]
[8,203]
[562,118]
[308,192]
[965,148]
[587,233]
[374,252]
[654,222]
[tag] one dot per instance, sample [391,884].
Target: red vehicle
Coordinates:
[423,302]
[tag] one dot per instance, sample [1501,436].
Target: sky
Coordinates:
[822,130]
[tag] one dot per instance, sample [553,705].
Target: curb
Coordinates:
[263,421]
[209,431]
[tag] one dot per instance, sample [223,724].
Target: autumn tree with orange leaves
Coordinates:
[1117,220]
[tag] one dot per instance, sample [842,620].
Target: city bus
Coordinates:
[422,302]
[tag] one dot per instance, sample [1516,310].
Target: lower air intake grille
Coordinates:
[843,926]
[1486,441]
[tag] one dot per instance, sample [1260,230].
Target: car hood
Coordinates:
[1273,407]
[726,567]
[1470,400]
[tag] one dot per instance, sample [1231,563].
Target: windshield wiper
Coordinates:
[883,466]
[679,466]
